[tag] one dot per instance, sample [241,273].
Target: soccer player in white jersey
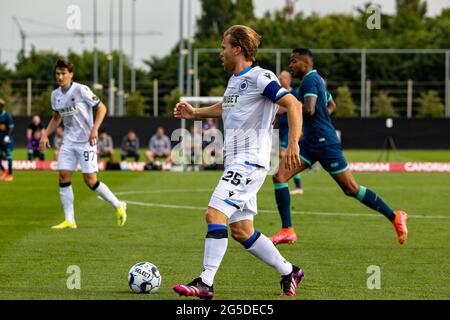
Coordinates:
[74,103]
[248,110]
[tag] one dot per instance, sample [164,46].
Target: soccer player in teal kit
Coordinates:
[6,142]
[320,143]
[287,232]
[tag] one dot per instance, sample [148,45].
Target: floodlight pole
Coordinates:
[181,72]
[111,60]
[180,52]
[23,36]
[133,44]
[120,93]
[189,57]
[447,84]
[95,54]
[195,66]
[363,82]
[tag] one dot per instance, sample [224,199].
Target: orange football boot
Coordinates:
[285,235]
[400,226]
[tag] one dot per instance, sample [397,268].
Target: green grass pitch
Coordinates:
[339,238]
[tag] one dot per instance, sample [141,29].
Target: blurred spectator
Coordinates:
[130,146]
[34,151]
[105,146]
[159,147]
[34,126]
[57,142]
[194,151]
[212,147]
[208,124]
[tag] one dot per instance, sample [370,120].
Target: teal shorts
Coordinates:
[329,156]
[6,151]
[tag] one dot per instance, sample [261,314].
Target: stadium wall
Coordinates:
[355,133]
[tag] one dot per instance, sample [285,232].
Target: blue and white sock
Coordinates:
[261,247]
[216,243]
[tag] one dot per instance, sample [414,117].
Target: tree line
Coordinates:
[409,27]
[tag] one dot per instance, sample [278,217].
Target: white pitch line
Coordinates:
[312,213]
[162,191]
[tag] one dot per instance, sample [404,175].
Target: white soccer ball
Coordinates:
[144,277]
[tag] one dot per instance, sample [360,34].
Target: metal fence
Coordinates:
[405,92]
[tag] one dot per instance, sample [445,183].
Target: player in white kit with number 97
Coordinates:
[73,103]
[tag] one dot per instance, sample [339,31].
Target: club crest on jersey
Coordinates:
[243,86]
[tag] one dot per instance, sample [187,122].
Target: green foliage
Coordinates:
[42,105]
[7,94]
[165,70]
[37,65]
[410,27]
[170,100]
[219,15]
[5,73]
[430,105]
[217,91]
[383,105]
[135,104]
[345,107]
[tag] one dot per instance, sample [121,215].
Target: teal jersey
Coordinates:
[318,128]
[283,121]
[6,123]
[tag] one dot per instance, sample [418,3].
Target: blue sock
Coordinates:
[297,181]
[283,198]
[373,201]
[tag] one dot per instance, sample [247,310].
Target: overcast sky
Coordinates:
[50,16]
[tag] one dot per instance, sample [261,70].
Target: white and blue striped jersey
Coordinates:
[75,107]
[248,113]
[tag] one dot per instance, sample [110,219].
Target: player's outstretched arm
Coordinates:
[52,125]
[184,110]
[295,121]
[99,117]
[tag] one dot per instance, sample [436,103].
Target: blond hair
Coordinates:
[246,38]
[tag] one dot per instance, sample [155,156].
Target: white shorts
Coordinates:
[235,195]
[72,155]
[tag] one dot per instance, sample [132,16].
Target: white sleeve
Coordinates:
[89,97]
[269,86]
[53,102]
